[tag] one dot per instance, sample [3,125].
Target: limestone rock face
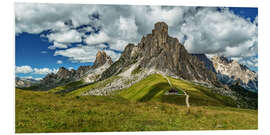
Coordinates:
[231,72]
[81,71]
[64,73]
[101,59]
[161,52]
[207,62]
[63,76]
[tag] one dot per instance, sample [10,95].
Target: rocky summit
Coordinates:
[231,72]
[158,51]
[101,59]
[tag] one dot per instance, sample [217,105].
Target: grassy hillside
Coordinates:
[69,86]
[154,86]
[48,112]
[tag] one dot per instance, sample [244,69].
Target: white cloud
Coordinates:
[27,77]
[37,17]
[28,69]
[98,38]
[23,69]
[59,61]
[38,79]
[118,44]
[115,56]
[57,45]
[44,71]
[249,61]
[223,33]
[68,36]
[84,53]
[70,68]
[79,54]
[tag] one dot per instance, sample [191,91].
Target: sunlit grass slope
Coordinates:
[154,86]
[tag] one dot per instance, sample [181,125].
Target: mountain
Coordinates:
[207,62]
[232,73]
[159,52]
[101,59]
[86,73]
[25,82]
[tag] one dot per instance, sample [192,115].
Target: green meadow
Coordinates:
[141,107]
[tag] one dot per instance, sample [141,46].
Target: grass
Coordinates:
[146,89]
[154,86]
[99,84]
[48,112]
[67,86]
[141,107]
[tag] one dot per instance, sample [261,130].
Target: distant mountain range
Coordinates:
[230,72]
[25,82]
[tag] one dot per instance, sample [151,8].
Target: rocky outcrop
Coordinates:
[163,53]
[25,82]
[231,72]
[63,76]
[207,62]
[101,59]
[81,71]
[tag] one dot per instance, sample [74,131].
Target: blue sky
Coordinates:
[51,36]
[247,13]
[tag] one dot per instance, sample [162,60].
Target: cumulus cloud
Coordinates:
[68,36]
[28,69]
[84,54]
[79,53]
[223,33]
[31,77]
[23,69]
[27,77]
[44,71]
[251,62]
[201,30]
[57,45]
[38,17]
[59,61]
[98,38]
[113,54]
[70,68]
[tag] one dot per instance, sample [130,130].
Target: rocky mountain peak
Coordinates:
[63,76]
[62,69]
[160,52]
[64,73]
[221,59]
[101,59]
[230,71]
[160,31]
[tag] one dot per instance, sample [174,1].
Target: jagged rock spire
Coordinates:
[101,59]
[160,32]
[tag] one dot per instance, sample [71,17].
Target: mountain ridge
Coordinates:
[64,75]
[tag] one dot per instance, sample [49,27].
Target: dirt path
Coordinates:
[187,96]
